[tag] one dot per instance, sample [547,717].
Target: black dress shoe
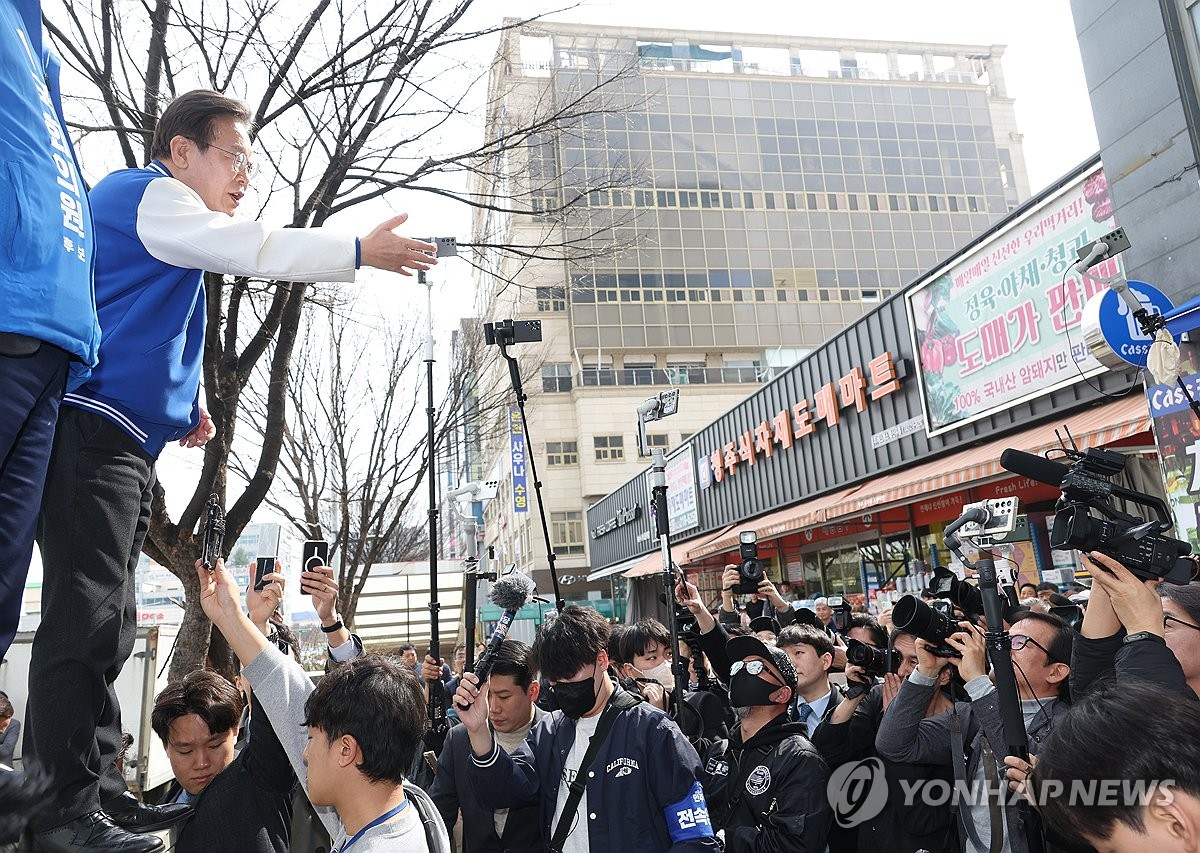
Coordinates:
[127,813]
[97,833]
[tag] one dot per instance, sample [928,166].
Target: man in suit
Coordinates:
[811,652]
[511,714]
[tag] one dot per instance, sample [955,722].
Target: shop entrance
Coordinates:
[841,571]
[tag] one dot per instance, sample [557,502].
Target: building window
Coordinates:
[560,454]
[655,441]
[566,533]
[610,448]
[556,377]
[552,299]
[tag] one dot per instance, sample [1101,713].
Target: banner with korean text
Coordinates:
[1001,324]
[516,442]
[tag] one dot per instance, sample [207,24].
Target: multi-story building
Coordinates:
[730,201]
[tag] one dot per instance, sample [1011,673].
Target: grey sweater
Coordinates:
[905,736]
[282,687]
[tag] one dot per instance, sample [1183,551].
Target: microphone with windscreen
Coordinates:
[1034,467]
[511,592]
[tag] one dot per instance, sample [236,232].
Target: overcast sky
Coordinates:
[1041,66]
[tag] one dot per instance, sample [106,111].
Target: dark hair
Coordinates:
[878,633]
[377,700]
[1064,636]
[614,644]
[795,635]
[638,637]
[209,696]
[462,646]
[1185,595]
[1076,753]
[1046,585]
[6,708]
[191,115]
[1024,584]
[737,630]
[570,642]
[512,659]
[407,647]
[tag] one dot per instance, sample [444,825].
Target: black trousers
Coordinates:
[31,388]
[94,518]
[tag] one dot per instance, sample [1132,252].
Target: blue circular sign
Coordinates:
[1112,332]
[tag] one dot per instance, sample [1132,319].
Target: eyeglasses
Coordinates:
[1168,619]
[241,163]
[754,667]
[1019,641]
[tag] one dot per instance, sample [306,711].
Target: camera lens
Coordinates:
[913,616]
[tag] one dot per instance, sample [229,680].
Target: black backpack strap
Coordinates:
[620,701]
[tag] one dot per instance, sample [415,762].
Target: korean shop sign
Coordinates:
[1002,325]
[792,425]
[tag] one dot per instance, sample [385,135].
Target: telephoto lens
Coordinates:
[913,616]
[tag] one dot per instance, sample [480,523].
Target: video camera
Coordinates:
[1139,545]
[875,662]
[751,568]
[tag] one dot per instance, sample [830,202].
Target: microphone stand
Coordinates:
[475,571]
[439,723]
[999,652]
[514,375]
[662,525]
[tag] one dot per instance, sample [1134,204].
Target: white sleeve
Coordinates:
[282,687]
[177,228]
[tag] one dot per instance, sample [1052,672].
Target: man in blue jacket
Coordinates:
[157,230]
[48,329]
[641,790]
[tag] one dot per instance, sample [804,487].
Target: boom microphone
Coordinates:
[511,592]
[1034,467]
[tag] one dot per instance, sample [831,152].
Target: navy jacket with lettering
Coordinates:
[643,790]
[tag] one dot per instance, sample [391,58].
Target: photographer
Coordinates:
[766,601]
[848,735]
[767,784]
[1134,629]
[1041,651]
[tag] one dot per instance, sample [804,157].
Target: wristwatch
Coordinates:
[1144,635]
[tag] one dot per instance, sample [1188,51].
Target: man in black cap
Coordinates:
[766,785]
[766,628]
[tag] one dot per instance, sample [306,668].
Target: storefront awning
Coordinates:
[795,517]
[615,569]
[1095,427]
[652,562]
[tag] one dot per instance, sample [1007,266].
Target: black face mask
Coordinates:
[576,698]
[746,690]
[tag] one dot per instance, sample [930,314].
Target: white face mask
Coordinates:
[662,674]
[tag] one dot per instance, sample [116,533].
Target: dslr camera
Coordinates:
[933,624]
[751,569]
[876,662]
